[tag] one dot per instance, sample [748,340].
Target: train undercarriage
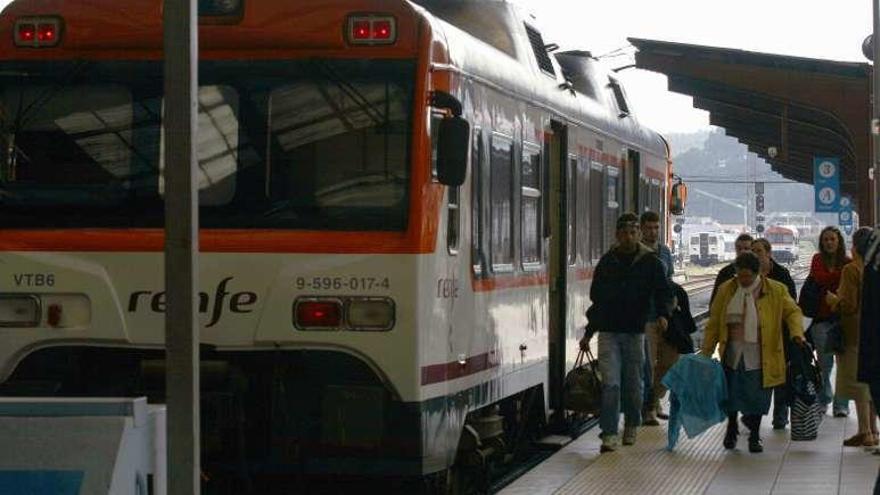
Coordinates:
[299,421]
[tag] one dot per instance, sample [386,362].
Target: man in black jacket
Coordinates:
[743,244]
[627,277]
[774,271]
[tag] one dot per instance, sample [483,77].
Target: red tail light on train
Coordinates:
[37,32]
[371,30]
[318,314]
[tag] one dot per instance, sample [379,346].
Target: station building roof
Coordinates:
[802,107]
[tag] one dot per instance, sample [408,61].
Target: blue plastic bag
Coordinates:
[698,393]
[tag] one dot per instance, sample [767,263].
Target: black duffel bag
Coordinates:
[583,385]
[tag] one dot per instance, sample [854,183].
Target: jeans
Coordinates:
[819,330]
[621,360]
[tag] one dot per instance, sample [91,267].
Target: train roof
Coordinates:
[491,41]
[494,42]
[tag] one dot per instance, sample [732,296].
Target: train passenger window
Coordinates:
[478,203]
[612,204]
[597,211]
[218,146]
[501,202]
[571,190]
[655,203]
[583,210]
[531,204]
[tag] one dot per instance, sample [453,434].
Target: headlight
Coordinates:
[370,313]
[19,310]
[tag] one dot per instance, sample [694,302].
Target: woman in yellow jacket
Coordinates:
[745,322]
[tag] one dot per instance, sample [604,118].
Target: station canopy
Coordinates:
[785,109]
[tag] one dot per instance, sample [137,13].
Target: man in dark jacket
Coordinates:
[743,243]
[774,271]
[627,277]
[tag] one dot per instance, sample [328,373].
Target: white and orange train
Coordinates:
[400,206]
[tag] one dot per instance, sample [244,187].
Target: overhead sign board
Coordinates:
[826,180]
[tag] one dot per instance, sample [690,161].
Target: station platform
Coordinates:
[702,465]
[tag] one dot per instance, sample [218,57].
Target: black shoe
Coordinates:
[755,445]
[662,415]
[841,414]
[778,426]
[730,439]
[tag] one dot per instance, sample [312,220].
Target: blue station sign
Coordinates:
[826,179]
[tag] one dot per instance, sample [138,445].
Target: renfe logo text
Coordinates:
[239,302]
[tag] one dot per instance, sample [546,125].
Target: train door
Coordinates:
[557,153]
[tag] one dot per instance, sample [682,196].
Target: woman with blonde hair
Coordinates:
[847,302]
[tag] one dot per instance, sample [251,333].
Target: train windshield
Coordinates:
[317,144]
[780,238]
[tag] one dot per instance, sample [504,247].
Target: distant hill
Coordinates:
[713,163]
[681,142]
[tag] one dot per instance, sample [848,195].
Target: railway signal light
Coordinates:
[759,203]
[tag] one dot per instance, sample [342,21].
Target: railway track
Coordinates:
[698,285]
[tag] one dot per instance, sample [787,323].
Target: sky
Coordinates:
[829,30]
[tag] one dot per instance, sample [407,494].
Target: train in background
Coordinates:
[785,241]
[711,248]
[401,205]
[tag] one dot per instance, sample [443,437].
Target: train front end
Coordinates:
[316,207]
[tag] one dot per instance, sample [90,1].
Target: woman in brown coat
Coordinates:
[847,303]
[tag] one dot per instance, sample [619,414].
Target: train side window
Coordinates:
[597,209]
[453,219]
[582,178]
[531,207]
[655,195]
[644,194]
[478,203]
[612,204]
[501,203]
[571,190]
